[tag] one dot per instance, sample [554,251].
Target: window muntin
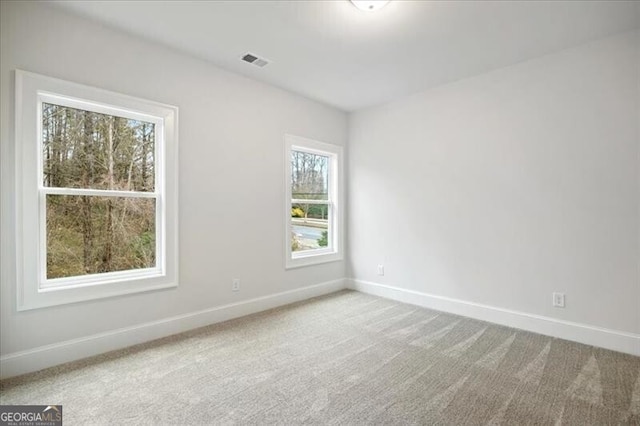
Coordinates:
[313,208]
[89,159]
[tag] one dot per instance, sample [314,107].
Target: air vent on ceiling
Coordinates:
[254,60]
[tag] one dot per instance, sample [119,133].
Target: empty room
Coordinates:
[332,212]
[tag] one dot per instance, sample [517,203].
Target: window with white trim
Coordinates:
[313,202]
[96,193]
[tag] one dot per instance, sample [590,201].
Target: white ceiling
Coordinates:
[334,53]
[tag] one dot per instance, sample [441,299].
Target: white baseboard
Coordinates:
[582,333]
[18,363]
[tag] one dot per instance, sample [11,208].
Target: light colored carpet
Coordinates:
[346,358]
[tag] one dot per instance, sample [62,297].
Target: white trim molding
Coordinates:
[335,201]
[590,335]
[34,288]
[31,360]
[35,359]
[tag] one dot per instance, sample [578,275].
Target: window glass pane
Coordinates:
[309,176]
[90,235]
[83,149]
[309,227]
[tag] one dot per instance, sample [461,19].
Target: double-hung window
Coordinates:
[96,193]
[313,202]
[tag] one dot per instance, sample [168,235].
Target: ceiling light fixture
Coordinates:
[369,5]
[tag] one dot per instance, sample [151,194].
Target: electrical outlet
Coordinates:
[380,269]
[558,300]
[235,285]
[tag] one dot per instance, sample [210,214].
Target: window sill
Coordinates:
[33,298]
[312,259]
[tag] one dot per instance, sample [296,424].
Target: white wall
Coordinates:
[231,171]
[505,187]
[496,190]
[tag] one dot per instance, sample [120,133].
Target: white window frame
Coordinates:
[335,199]
[34,289]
